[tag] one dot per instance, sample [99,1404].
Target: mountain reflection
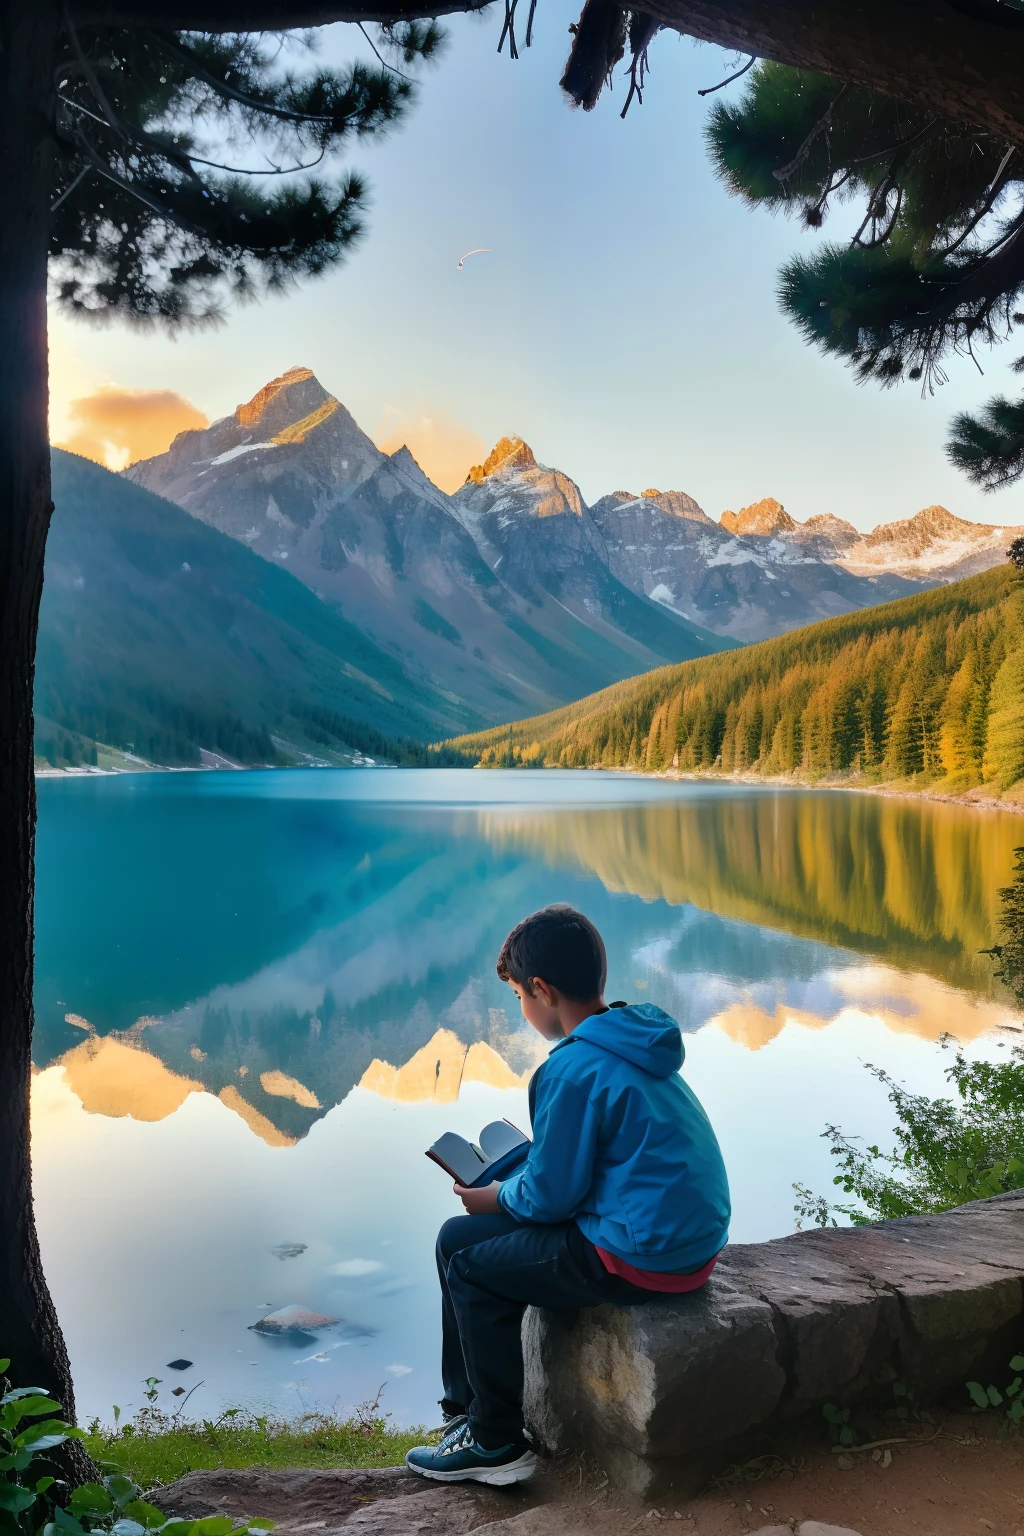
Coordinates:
[438,1070]
[278,961]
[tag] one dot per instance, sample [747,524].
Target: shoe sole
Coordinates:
[496,1477]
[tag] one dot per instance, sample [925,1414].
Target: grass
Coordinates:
[160,1449]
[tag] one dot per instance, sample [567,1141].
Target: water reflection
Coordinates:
[277,953]
[260,997]
[913,880]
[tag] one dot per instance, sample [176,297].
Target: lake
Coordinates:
[261,995]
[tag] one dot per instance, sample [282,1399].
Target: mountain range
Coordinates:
[277,581]
[293,477]
[544,595]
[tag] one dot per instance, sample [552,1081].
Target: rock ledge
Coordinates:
[662,1394]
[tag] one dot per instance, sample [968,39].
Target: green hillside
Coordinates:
[927,690]
[162,636]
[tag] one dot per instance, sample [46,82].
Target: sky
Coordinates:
[623,320]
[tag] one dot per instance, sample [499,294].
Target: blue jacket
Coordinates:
[622,1146]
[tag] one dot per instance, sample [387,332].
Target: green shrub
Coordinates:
[946,1152]
[31,1426]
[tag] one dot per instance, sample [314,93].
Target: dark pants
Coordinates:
[492,1268]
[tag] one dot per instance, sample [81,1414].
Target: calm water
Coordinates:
[260,996]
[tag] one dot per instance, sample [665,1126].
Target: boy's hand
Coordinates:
[479,1202]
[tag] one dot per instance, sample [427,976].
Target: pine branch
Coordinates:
[709,90]
[785,172]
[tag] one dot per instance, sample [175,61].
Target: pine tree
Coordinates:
[1004,744]
[960,750]
[118,189]
[936,266]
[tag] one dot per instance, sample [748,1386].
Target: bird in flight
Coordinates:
[481,250]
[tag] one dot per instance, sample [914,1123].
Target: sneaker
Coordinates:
[458,1459]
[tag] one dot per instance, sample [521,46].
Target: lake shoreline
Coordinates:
[975,799]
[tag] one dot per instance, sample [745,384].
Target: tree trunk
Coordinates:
[29,1331]
[955,61]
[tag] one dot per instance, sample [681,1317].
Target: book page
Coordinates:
[498,1138]
[457,1155]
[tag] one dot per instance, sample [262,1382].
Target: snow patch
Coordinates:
[736,556]
[234,453]
[662,594]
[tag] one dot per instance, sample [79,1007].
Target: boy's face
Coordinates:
[540,1009]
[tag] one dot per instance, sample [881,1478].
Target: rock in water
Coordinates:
[293,1319]
[179,1365]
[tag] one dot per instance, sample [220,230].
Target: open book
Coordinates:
[501,1148]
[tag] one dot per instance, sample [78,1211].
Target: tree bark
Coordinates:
[29,1331]
[954,59]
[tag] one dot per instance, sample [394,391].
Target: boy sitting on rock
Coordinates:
[623,1196]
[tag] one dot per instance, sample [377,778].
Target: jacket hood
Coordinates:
[641,1034]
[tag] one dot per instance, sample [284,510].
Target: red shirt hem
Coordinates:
[650,1279]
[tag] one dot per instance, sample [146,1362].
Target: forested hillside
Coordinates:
[929,689]
[161,636]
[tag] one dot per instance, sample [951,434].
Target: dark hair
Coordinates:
[562,947]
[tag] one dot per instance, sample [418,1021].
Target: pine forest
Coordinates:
[926,691]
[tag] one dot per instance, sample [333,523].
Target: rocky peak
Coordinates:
[286,404]
[677,504]
[510,453]
[915,534]
[827,525]
[761,517]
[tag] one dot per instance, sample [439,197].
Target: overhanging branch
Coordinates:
[261,15]
[957,60]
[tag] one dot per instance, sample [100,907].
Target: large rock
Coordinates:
[660,1393]
[638,1383]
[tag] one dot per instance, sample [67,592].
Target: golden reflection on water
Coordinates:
[438,1070]
[113,1078]
[913,881]
[114,1075]
[906,1004]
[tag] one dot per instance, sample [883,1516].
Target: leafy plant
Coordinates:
[113,1507]
[1011,1397]
[905,1405]
[838,1420]
[946,1152]
[30,1425]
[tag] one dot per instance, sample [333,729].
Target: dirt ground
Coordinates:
[959,1480]
[963,1482]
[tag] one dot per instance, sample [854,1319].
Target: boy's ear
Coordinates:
[545,991]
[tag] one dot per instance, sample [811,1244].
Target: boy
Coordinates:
[623,1195]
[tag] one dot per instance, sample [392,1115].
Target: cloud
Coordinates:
[356,1268]
[117,426]
[399,1370]
[442,447]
